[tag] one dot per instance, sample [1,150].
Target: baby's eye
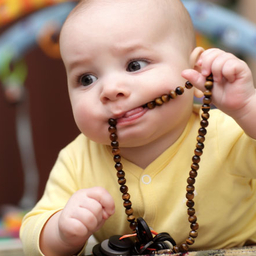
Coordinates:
[87,80]
[136,65]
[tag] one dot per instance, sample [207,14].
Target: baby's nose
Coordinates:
[112,91]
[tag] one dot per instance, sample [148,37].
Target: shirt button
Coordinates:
[146,179]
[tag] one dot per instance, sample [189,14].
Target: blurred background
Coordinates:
[35,114]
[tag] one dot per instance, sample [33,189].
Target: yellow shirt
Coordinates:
[225,195]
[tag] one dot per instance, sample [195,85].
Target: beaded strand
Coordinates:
[184,247]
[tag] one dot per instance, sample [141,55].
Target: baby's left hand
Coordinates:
[233,89]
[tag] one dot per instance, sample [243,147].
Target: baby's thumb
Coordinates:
[107,213]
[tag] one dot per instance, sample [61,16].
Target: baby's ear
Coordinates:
[194,56]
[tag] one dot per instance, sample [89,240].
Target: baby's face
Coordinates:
[119,56]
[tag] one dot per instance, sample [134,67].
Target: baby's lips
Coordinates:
[132,112]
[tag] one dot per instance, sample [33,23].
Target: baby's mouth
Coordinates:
[132,114]
[139,111]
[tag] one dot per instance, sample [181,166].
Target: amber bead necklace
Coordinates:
[184,247]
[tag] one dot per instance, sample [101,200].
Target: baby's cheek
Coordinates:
[92,127]
[83,118]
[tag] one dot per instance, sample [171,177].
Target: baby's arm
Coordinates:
[233,91]
[67,231]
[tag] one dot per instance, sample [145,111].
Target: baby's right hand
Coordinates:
[85,212]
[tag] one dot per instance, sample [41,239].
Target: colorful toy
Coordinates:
[10,223]
[24,35]
[10,10]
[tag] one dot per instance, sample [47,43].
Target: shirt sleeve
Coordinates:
[236,147]
[60,186]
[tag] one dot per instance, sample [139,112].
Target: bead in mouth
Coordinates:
[136,112]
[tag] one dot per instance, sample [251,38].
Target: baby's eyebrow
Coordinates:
[78,61]
[128,48]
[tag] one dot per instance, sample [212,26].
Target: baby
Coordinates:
[120,55]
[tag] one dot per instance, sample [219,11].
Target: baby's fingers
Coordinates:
[234,69]
[224,66]
[104,198]
[195,78]
[206,59]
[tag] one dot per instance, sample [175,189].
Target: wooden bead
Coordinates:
[204,123]
[114,144]
[190,203]
[151,105]
[126,197]
[190,188]
[198,152]
[193,174]
[159,102]
[179,90]
[131,218]
[173,94]
[133,225]
[200,145]
[205,116]
[195,166]
[165,98]
[191,211]
[184,247]
[117,158]
[112,122]
[129,211]
[207,100]
[206,108]
[115,151]
[188,85]
[176,249]
[121,181]
[124,189]
[112,129]
[202,131]
[127,204]
[118,166]
[113,136]
[191,181]
[194,226]
[208,93]
[200,138]
[208,85]
[190,196]
[190,241]
[193,234]
[192,218]
[196,159]
[120,174]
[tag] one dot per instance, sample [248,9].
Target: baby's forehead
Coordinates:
[165,16]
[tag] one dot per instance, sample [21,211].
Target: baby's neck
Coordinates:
[144,155]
